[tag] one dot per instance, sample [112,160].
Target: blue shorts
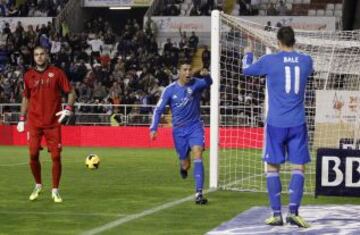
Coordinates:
[187,137]
[286,144]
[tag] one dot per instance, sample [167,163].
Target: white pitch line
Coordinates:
[14,164]
[20,163]
[144,213]
[60,213]
[43,161]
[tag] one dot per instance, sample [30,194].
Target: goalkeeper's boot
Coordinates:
[297,220]
[199,199]
[35,193]
[183,173]
[55,195]
[274,220]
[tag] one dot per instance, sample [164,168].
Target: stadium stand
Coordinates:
[288,7]
[31,8]
[104,66]
[128,65]
[184,8]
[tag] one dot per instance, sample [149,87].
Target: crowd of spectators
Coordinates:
[31,8]
[279,9]
[204,7]
[185,8]
[253,7]
[105,67]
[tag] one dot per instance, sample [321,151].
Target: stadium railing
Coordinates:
[140,115]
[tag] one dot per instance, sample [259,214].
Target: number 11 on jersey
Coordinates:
[288,79]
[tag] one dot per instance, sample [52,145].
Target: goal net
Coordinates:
[238,102]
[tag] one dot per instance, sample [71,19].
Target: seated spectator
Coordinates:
[2,9]
[196,4]
[282,9]
[195,11]
[96,46]
[168,45]
[243,10]
[109,40]
[3,57]
[206,55]
[44,41]
[105,60]
[99,91]
[271,11]
[173,10]
[193,41]
[13,11]
[268,26]
[55,46]
[151,27]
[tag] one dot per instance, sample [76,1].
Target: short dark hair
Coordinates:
[286,36]
[184,61]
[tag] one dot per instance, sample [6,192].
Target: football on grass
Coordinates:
[92,161]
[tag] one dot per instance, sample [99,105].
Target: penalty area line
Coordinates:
[139,215]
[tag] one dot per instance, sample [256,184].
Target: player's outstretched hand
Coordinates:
[21,124]
[153,135]
[204,72]
[65,114]
[249,47]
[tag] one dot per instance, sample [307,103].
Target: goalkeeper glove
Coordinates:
[21,124]
[65,114]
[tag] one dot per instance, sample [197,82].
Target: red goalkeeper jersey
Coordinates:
[44,90]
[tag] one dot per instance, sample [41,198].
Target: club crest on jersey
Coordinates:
[51,75]
[189,90]
[174,97]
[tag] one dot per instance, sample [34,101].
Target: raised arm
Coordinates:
[205,82]
[256,69]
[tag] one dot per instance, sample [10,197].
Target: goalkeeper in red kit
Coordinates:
[41,110]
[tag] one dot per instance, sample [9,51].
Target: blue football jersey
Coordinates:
[184,102]
[286,77]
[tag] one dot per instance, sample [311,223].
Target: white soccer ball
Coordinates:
[92,161]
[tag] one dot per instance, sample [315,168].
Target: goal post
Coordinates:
[214,98]
[238,102]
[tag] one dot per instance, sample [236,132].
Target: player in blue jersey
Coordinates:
[183,97]
[286,139]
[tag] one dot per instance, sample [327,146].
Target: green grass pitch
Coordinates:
[129,181]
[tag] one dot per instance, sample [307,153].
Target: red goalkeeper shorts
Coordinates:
[52,137]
